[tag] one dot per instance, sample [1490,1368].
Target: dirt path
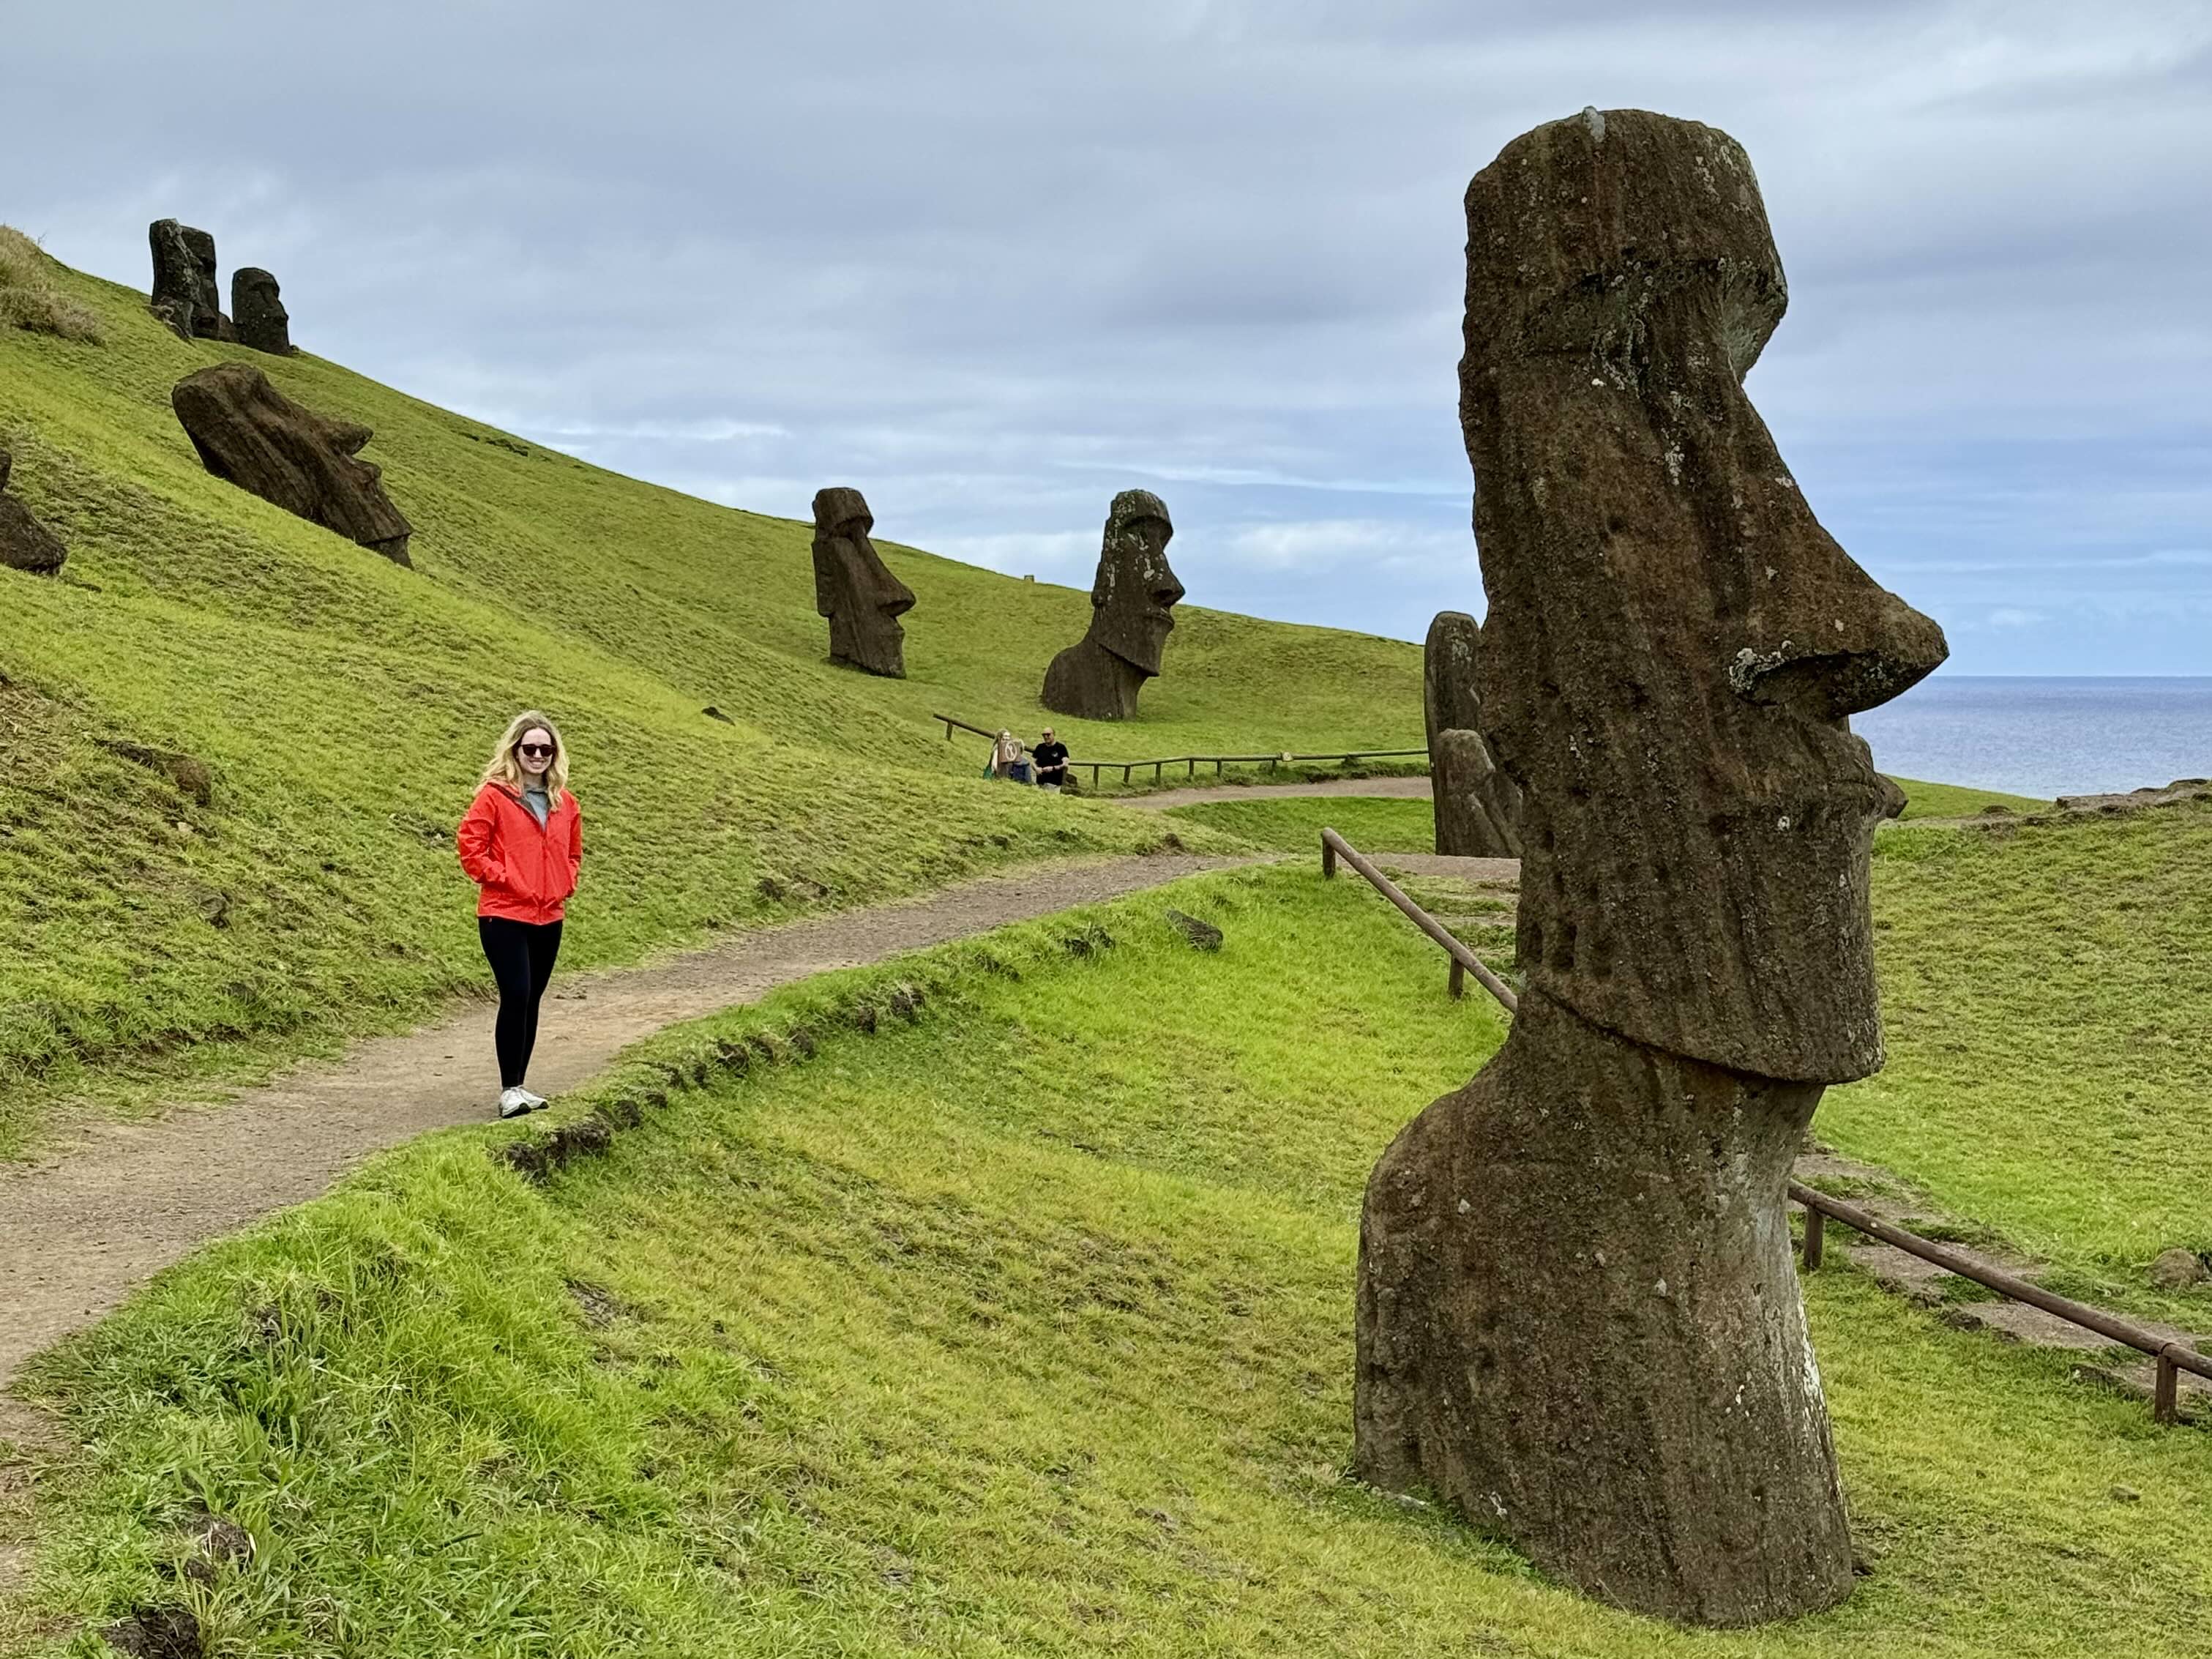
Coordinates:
[1160,799]
[87,1222]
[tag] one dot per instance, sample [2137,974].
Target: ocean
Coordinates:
[2044,736]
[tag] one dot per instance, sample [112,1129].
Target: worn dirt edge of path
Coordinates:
[82,1225]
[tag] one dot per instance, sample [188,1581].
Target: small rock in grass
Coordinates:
[714,713]
[2177,1270]
[865,1017]
[220,1543]
[1202,934]
[163,1632]
[2126,1495]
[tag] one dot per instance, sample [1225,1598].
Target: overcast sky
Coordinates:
[991,262]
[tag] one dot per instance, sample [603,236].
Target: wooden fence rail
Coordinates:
[2171,1356]
[1190,763]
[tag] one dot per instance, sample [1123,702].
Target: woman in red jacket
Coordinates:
[522,844]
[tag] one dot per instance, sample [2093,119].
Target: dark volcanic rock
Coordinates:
[1478,808]
[1133,602]
[257,312]
[165,1632]
[187,773]
[250,435]
[186,293]
[24,543]
[861,599]
[1577,1319]
[1201,933]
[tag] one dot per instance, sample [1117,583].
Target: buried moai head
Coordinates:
[186,293]
[1477,809]
[1133,595]
[257,312]
[852,587]
[24,543]
[250,435]
[1675,644]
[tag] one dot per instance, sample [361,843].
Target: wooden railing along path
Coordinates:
[2172,1357]
[1192,762]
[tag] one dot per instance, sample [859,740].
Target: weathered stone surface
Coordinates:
[2177,1270]
[1133,600]
[24,543]
[252,435]
[1577,1319]
[861,599]
[157,1633]
[1200,933]
[1477,809]
[186,293]
[257,312]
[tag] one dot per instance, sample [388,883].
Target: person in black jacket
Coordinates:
[1051,756]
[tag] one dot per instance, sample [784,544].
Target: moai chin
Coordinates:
[1477,809]
[1133,600]
[1578,1318]
[256,310]
[861,599]
[250,435]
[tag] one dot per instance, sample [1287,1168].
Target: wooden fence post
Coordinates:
[2165,1397]
[1457,984]
[1816,1237]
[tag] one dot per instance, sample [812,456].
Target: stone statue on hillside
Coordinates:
[1577,1319]
[1477,809]
[252,435]
[257,312]
[1133,601]
[24,543]
[186,294]
[852,587]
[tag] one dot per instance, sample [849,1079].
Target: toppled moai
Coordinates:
[1477,809]
[861,599]
[1578,1317]
[250,435]
[186,295]
[1133,600]
[24,543]
[257,312]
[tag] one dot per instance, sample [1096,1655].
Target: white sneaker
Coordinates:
[538,1102]
[513,1103]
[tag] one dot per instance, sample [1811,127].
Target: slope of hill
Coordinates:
[1023,1325]
[343,706]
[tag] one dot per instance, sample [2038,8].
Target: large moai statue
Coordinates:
[250,435]
[256,310]
[186,295]
[1477,809]
[1578,1316]
[1133,600]
[852,587]
[24,543]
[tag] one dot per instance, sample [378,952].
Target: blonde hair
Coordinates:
[505,768]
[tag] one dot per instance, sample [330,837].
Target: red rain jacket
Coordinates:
[523,872]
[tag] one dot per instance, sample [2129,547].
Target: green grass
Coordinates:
[1953,800]
[345,705]
[1293,824]
[2046,990]
[1021,1329]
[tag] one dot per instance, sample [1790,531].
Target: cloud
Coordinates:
[992,262]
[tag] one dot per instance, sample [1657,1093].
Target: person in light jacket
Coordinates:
[521,842]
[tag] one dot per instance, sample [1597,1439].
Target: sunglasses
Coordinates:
[535,750]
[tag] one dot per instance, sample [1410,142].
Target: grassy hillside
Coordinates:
[344,706]
[2048,991]
[1021,1329]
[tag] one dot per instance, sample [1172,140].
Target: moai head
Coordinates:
[852,587]
[250,434]
[1674,645]
[257,312]
[1134,594]
[1449,696]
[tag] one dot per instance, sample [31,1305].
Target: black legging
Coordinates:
[521,956]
